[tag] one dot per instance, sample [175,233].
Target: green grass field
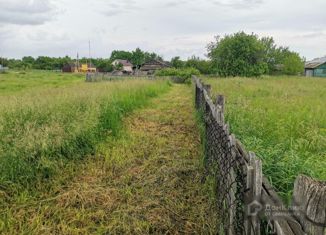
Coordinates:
[281,119]
[41,125]
[119,157]
[84,158]
[24,81]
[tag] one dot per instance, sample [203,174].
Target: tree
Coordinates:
[138,57]
[58,63]
[177,63]
[4,62]
[15,64]
[45,63]
[28,62]
[103,65]
[152,56]
[118,67]
[204,66]
[239,54]
[270,51]
[121,55]
[293,64]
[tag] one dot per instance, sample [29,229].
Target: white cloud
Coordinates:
[113,8]
[26,12]
[237,4]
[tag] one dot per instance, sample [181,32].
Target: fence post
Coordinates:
[208,88]
[231,185]
[88,78]
[220,103]
[254,184]
[250,172]
[309,205]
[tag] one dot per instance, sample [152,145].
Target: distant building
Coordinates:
[83,68]
[3,69]
[87,68]
[126,65]
[316,68]
[151,66]
[70,68]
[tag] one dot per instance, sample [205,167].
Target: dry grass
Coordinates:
[146,181]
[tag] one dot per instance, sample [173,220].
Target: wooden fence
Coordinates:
[99,77]
[247,203]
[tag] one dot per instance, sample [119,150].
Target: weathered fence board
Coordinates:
[241,183]
[310,198]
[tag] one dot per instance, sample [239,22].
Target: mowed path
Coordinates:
[147,181]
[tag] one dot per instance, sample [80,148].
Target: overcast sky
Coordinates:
[170,27]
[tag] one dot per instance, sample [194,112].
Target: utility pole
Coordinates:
[89,51]
[77,62]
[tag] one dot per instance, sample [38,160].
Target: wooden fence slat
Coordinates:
[310,198]
[256,188]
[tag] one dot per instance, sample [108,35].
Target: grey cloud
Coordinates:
[26,12]
[46,36]
[237,4]
[175,3]
[117,8]
[113,12]
[310,35]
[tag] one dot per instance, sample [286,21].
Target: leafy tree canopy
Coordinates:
[242,54]
[136,57]
[239,54]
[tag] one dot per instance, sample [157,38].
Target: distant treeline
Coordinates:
[136,57]
[238,54]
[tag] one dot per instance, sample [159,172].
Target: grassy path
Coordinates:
[145,182]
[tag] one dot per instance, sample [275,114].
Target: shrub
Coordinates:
[293,64]
[182,75]
[239,54]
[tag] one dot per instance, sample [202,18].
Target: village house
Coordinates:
[70,68]
[87,68]
[76,68]
[127,67]
[316,68]
[151,66]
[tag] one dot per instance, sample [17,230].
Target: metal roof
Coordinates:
[157,62]
[123,62]
[315,63]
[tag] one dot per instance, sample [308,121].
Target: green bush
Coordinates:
[182,75]
[293,64]
[238,54]
[247,55]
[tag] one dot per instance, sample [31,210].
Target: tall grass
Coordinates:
[14,82]
[283,120]
[40,129]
